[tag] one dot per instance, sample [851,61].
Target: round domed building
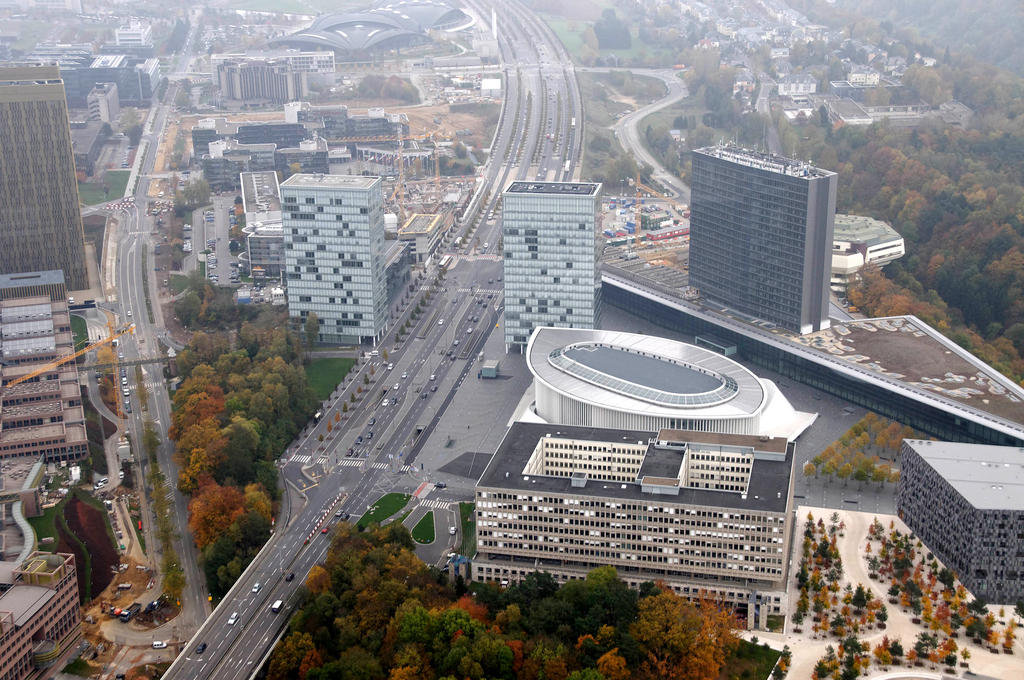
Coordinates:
[629,381]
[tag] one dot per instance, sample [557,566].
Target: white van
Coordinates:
[276,607]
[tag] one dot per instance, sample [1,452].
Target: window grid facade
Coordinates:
[551,253]
[40,220]
[761,236]
[334,254]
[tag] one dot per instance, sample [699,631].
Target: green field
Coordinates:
[178,283]
[570,32]
[386,505]
[325,374]
[80,331]
[79,667]
[45,526]
[423,532]
[466,514]
[91,193]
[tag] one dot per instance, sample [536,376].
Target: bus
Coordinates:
[572,123]
[566,168]
[445,262]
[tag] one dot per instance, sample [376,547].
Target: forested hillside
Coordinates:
[956,196]
[375,611]
[243,399]
[990,31]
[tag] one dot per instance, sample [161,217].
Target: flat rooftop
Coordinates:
[908,350]
[644,370]
[768,489]
[767,444]
[554,188]
[312,181]
[764,161]
[420,223]
[260,191]
[26,279]
[23,602]
[988,477]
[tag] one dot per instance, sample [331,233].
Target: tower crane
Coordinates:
[46,368]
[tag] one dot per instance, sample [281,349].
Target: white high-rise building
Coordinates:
[334,254]
[134,34]
[551,253]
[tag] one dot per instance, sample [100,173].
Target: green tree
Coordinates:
[312,329]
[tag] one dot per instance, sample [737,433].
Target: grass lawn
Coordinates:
[91,193]
[423,532]
[570,32]
[80,331]
[749,661]
[386,505]
[325,374]
[79,667]
[466,515]
[45,526]
[178,283]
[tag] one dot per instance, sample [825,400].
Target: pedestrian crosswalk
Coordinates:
[435,504]
[301,459]
[322,460]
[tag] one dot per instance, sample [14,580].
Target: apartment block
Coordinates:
[273,81]
[40,219]
[708,514]
[335,254]
[966,503]
[549,237]
[40,616]
[761,235]
[42,415]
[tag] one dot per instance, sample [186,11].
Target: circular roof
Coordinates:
[628,371]
[387,25]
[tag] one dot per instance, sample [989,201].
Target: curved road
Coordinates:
[626,129]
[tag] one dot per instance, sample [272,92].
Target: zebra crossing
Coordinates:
[435,504]
[300,458]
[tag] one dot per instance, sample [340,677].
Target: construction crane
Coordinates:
[71,357]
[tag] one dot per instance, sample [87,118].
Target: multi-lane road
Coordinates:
[539,137]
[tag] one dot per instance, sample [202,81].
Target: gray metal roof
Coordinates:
[988,477]
[649,374]
[768,489]
[863,229]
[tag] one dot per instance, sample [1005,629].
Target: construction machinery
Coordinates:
[682,208]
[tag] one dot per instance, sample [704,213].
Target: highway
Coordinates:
[534,139]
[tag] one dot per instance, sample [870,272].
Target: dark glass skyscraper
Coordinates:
[761,235]
[40,220]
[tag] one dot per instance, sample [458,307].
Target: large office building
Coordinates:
[761,235]
[263,230]
[136,77]
[424,232]
[40,219]
[623,380]
[274,81]
[307,62]
[335,254]
[134,34]
[858,242]
[42,415]
[551,252]
[705,513]
[966,502]
[40,614]
[103,103]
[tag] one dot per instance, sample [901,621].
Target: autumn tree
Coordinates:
[212,510]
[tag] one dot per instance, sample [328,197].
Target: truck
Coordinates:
[127,614]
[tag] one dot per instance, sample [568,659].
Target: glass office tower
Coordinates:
[334,254]
[761,235]
[551,251]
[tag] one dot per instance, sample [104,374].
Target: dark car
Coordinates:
[201,648]
[290,576]
[372,422]
[440,485]
[359,439]
[433,388]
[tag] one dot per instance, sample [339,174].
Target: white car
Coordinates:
[451,531]
[159,644]
[233,618]
[256,587]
